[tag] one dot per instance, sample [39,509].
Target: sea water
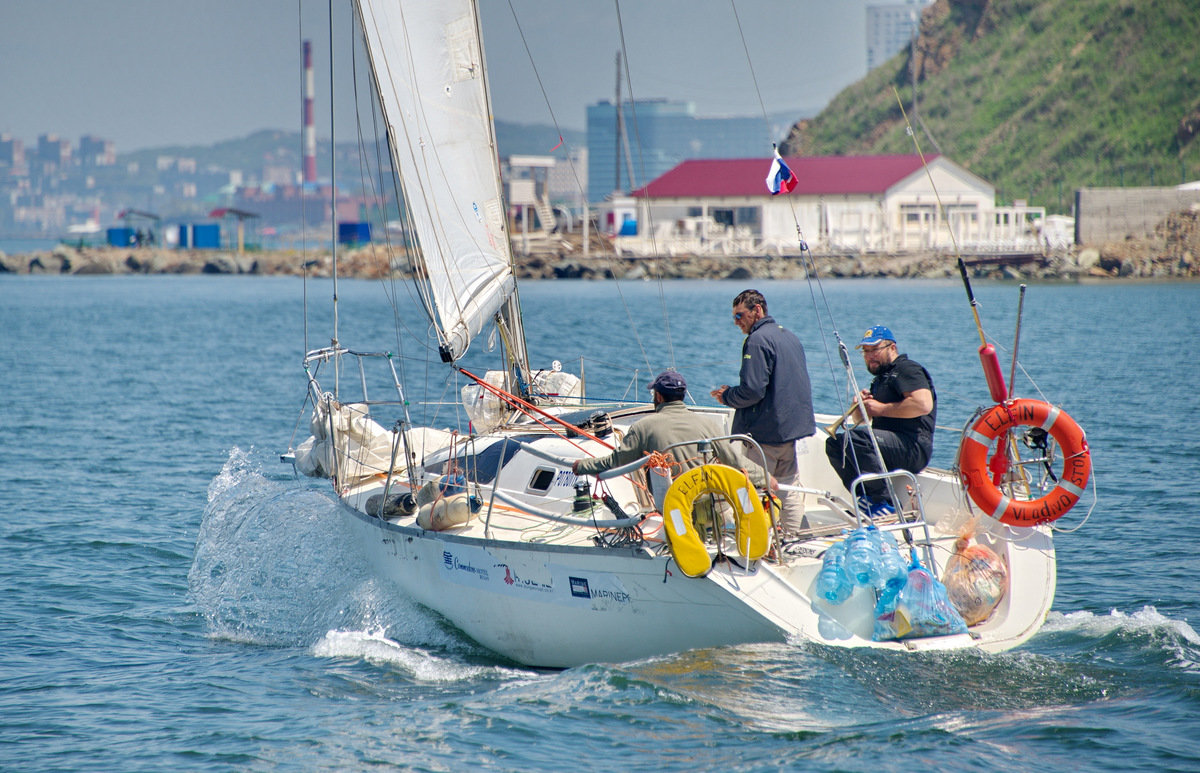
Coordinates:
[175,599]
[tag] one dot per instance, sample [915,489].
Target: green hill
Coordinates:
[1039,97]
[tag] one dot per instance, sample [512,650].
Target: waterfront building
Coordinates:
[850,204]
[890,27]
[656,134]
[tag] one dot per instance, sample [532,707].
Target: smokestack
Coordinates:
[310,131]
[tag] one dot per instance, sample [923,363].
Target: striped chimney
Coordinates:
[310,130]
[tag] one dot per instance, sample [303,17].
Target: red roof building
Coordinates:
[885,203]
[815,176]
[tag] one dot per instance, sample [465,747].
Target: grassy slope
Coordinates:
[1037,96]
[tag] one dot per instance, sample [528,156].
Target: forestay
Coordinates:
[428,64]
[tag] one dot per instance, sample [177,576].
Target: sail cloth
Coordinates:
[428,63]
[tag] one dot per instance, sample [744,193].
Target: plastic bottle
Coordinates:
[891,563]
[862,556]
[832,581]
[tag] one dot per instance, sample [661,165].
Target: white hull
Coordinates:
[564,601]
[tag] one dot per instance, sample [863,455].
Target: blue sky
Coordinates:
[151,73]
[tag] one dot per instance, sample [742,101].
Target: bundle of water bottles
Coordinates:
[910,602]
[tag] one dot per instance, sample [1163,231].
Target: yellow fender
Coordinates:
[752,523]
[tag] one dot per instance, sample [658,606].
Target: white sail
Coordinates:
[428,65]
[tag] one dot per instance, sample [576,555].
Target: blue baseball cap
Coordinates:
[875,335]
[670,384]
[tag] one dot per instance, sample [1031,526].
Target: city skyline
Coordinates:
[150,74]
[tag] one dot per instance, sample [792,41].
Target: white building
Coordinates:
[856,204]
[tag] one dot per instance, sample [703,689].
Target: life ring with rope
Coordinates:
[751,522]
[994,423]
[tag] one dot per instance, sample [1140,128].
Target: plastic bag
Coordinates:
[976,580]
[885,610]
[923,608]
[916,607]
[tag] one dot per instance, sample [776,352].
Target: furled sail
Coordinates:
[427,59]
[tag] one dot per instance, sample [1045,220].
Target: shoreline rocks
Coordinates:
[1173,253]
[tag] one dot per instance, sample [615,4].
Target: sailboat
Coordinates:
[489,527]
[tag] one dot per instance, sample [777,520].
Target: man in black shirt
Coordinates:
[902,405]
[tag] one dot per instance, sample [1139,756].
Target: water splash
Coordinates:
[272,564]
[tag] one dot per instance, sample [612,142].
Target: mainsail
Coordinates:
[427,59]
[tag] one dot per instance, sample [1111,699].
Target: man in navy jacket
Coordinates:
[773,399]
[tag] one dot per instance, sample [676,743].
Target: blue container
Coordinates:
[206,236]
[354,233]
[200,236]
[120,237]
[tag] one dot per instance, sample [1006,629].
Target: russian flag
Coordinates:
[780,179]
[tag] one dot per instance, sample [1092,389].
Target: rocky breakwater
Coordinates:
[1173,252]
[369,262]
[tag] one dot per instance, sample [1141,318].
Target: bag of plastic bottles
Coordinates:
[923,608]
[893,575]
[833,583]
[976,579]
[862,555]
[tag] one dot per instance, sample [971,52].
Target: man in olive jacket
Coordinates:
[773,399]
[670,423]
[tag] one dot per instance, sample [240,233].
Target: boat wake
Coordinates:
[1148,629]
[419,664]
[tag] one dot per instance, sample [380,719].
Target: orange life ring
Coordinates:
[1073,480]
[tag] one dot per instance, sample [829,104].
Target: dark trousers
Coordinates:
[852,454]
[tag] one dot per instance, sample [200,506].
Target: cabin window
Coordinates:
[542,478]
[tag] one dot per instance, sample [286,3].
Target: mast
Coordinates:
[509,317]
[333,182]
[620,132]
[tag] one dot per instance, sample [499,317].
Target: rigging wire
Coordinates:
[908,129]
[303,212]
[633,325]
[650,229]
[333,187]
[812,277]
[377,186]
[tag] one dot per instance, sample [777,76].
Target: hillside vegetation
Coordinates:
[1039,97]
